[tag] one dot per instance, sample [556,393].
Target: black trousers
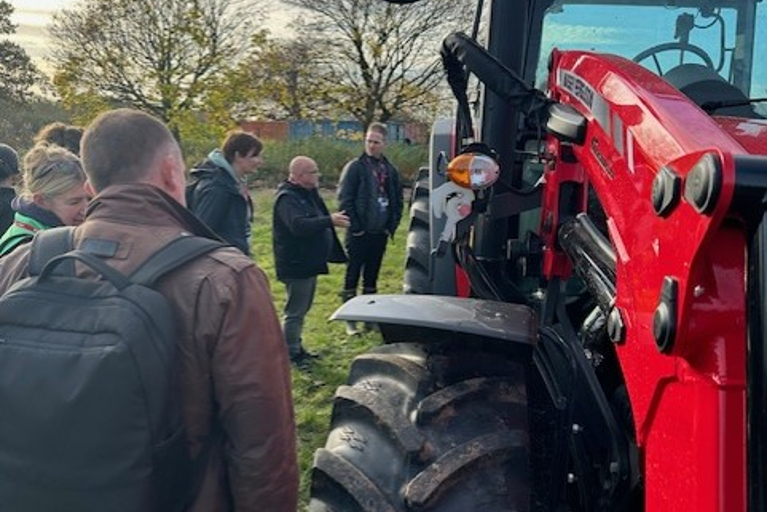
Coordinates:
[365,254]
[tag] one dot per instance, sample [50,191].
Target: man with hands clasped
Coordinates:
[304,242]
[370,192]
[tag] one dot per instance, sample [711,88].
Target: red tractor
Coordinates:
[587,276]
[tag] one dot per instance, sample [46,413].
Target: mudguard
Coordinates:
[436,315]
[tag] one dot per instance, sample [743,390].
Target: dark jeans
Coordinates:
[365,254]
[300,295]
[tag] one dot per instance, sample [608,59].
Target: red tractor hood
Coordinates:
[749,133]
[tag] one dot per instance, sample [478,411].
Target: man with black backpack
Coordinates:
[145,370]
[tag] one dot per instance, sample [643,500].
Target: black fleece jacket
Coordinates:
[303,237]
[358,195]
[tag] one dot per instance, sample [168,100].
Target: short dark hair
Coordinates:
[120,146]
[9,161]
[65,135]
[50,133]
[73,135]
[240,142]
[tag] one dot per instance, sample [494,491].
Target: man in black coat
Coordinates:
[370,192]
[304,241]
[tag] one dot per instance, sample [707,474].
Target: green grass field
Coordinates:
[313,389]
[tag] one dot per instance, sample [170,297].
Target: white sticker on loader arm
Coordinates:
[587,95]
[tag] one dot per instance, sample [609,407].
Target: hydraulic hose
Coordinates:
[592,257]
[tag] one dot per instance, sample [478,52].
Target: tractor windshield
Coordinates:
[726,36]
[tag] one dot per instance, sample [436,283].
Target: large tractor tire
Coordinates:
[418,248]
[427,427]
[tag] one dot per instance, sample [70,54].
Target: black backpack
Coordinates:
[89,417]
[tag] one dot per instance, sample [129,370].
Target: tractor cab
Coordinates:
[698,47]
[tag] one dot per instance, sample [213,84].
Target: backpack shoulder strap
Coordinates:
[174,254]
[47,244]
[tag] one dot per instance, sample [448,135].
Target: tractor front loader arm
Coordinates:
[675,188]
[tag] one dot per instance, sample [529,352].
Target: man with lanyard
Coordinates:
[371,195]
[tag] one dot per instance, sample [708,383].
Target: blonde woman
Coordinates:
[53,194]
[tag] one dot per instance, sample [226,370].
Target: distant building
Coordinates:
[267,130]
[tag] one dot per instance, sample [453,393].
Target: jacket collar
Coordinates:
[34,211]
[140,203]
[289,185]
[218,159]
[367,158]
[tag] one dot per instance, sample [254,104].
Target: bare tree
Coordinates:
[282,79]
[381,57]
[155,55]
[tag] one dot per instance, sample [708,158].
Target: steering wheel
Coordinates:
[682,48]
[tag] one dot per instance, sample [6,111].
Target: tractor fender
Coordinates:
[405,318]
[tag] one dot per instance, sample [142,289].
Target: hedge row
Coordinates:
[331,155]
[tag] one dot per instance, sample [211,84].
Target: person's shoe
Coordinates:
[309,355]
[351,329]
[300,362]
[303,359]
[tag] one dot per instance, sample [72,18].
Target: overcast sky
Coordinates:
[32,16]
[36,12]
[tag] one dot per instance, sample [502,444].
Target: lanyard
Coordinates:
[381,174]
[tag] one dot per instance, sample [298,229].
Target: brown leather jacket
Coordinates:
[234,365]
